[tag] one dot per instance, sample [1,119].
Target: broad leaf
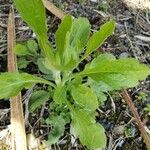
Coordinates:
[22,63]
[84,97]
[60,94]
[98,88]
[12,83]
[58,128]
[116,74]
[100,36]
[33,13]
[32,46]
[21,50]
[90,133]
[37,99]
[42,67]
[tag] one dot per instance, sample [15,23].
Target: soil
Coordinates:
[130,39]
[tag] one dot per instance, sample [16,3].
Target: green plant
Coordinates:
[142,96]
[147,109]
[27,52]
[76,94]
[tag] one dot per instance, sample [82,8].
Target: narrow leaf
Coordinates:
[80,32]
[100,36]
[33,13]
[64,27]
[71,38]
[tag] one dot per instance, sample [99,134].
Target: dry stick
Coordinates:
[130,104]
[17,119]
[53,9]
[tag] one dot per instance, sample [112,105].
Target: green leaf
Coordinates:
[58,124]
[12,83]
[64,27]
[99,85]
[37,99]
[80,32]
[98,88]
[84,97]
[100,36]
[60,94]
[22,63]
[90,133]
[116,74]
[21,50]
[41,66]
[71,38]
[33,12]
[32,46]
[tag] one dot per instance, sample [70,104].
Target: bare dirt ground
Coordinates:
[131,39]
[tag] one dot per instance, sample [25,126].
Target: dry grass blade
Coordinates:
[129,102]
[17,119]
[53,9]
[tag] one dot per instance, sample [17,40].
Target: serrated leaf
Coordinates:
[58,124]
[84,97]
[98,88]
[60,94]
[33,13]
[12,83]
[90,133]
[22,63]
[32,46]
[100,36]
[37,99]
[21,50]
[116,74]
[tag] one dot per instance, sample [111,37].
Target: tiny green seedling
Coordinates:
[147,109]
[76,93]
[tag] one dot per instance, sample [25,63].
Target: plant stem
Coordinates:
[128,100]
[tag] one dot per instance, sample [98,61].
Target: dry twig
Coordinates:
[130,104]
[17,119]
[53,9]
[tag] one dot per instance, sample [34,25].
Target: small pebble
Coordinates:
[95,1]
[119,130]
[124,55]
